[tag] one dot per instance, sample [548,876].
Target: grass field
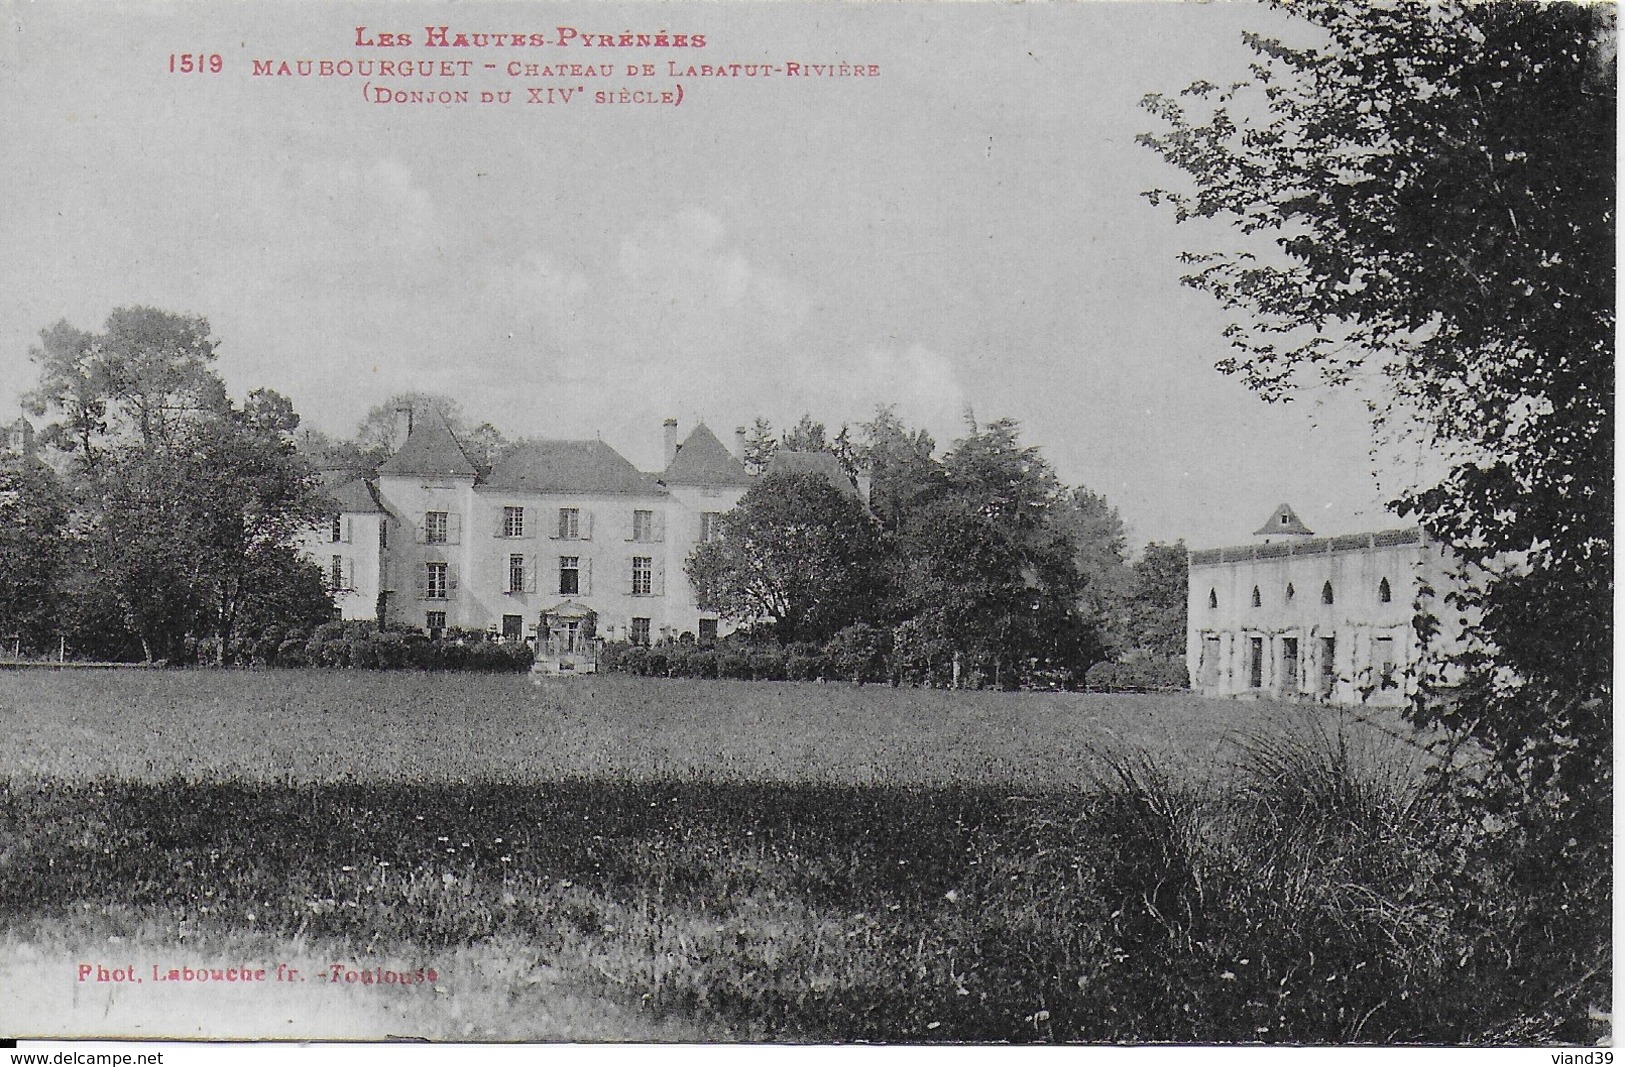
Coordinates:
[634,859]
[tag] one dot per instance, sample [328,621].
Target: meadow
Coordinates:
[625,858]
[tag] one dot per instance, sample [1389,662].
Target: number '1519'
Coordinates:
[195,63]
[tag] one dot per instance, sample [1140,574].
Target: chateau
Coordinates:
[1324,618]
[560,537]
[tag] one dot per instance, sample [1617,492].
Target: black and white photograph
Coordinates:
[807,524]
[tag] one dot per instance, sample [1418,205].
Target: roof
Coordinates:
[430,448]
[568,467]
[1283,520]
[704,460]
[354,495]
[793,463]
[1318,546]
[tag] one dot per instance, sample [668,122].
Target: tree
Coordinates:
[33,550]
[1153,613]
[760,446]
[1100,554]
[986,566]
[902,470]
[810,435]
[69,384]
[155,369]
[1423,198]
[795,550]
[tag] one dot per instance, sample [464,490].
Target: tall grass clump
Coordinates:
[1305,898]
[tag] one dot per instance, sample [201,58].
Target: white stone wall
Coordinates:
[1360,629]
[361,561]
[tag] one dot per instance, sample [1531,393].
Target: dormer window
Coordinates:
[1286,519]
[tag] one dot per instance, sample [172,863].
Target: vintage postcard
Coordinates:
[806,522]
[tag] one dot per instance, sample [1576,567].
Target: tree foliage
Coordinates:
[189,505]
[1153,612]
[1420,199]
[33,551]
[795,550]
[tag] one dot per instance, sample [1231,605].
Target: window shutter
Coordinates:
[658,585]
[660,526]
[631,525]
[347,528]
[530,574]
[451,581]
[499,522]
[528,517]
[626,579]
[586,524]
[454,528]
[349,572]
[586,578]
[558,527]
[421,583]
[423,528]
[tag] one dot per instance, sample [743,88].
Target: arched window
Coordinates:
[1326,593]
[1258,601]
[1290,592]
[1212,598]
[1385,593]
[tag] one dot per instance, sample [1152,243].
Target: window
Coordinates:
[569,575]
[1385,592]
[1326,593]
[335,574]
[1286,519]
[710,525]
[434,621]
[643,574]
[516,574]
[708,629]
[1212,598]
[1290,592]
[1258,601]
[643,526]
[569,524]
[513,522]
[513,627]
[336,529]
[435,585]
[640,631]
[434,527]
[383,533]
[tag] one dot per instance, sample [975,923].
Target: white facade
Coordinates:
[1329,619]
[454,550]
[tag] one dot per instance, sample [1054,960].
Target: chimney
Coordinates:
[403,426]
[670,428]
[739,443]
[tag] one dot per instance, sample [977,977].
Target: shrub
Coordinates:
[768,664]
[292,653]
[857,652]
[702,663]
[1102,675]
[734,663]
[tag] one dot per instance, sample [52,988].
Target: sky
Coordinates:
[963,231]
